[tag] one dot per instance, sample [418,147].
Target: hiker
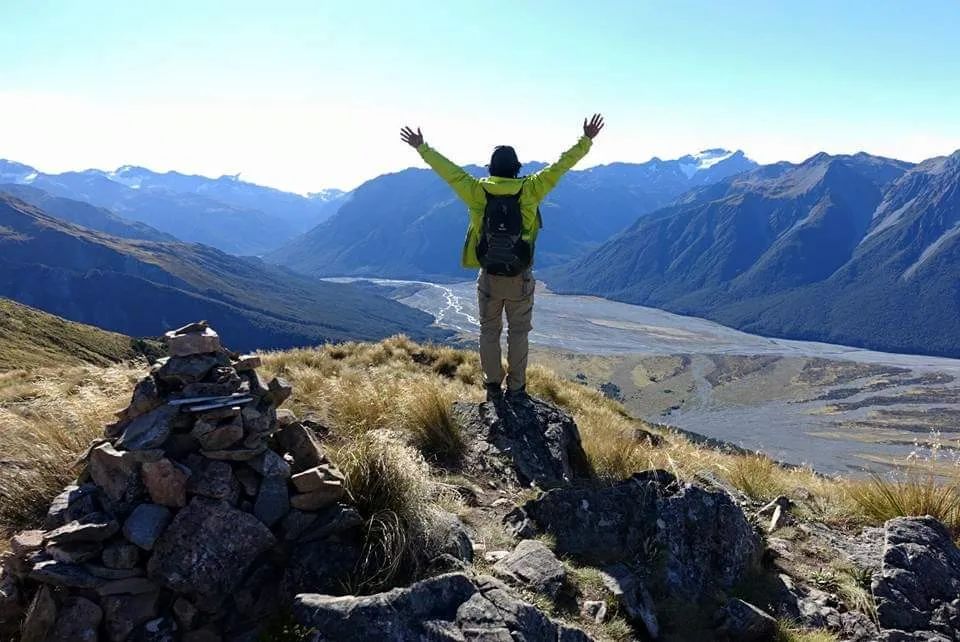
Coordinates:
[501,237]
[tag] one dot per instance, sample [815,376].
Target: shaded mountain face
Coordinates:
[143,288]
[85,214]
[411,225]
[856,250]
[232,215]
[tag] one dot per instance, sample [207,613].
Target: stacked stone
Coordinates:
[200,509]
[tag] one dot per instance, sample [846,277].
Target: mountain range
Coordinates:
[410,224]
[144,287]
[226,213]
[857,250]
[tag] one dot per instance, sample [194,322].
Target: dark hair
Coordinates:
[504,162]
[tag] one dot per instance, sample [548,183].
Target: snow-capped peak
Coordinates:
[693,163]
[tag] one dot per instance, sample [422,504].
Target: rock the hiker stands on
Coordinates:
[199,511]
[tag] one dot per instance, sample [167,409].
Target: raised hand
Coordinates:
[412,138]
[591,129]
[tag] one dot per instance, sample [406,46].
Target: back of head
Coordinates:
[504,162]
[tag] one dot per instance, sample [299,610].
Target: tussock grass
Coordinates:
[47,420]
[758,477]
[402,504]
[907,493]
[788,631]
[388,404]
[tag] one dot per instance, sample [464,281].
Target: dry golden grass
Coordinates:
[401,503]
[403,389]
[47,419]
[908,492]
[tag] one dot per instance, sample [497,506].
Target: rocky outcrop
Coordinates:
[740,621]
[453,607]
[522,442]
[917,588]
[195,516]
[692,541]
[534,566]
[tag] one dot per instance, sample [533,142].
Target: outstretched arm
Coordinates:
[546,179]
[467,187]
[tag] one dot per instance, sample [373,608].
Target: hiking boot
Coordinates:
[520,394]
[494,392]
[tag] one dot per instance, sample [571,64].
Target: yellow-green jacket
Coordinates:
[473,192]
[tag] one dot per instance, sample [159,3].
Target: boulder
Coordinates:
[161,629]
[116,473]
[26,542]
[538,442]
[11,605]
[270,464]
[40,618]
[917,588]
[302,444]
[78,619]
[148,431]
[74,552]
[447,607]
[145,524]
[630,592]
[124,613]
[534,566]
[273,500]
[740,621]
[146,396]
[207,549]
[235,454]
[73,503]
[280,390]
[196,338]
[178,372]
[315,478]
[64,574]
[217,434]
[247,362]
[95,527]
[166,482]
[212,479]
[703,538]
[327,494]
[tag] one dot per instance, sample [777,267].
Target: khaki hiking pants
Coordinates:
[513,294]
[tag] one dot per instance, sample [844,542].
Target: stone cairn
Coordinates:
[198,514]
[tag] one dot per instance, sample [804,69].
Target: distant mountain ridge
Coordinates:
[409,224]
[142,288]
[84,214]
[227,213]
[857,250]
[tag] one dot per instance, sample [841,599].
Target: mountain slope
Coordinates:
[851,249]
[142,288]
[85,214]
[410,224]
[30,338]
[299,212]
[226,213]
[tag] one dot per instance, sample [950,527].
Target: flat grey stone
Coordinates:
[146,524]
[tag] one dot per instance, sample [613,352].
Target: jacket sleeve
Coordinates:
[546,179]
[467,187]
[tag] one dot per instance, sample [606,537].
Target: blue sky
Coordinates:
[312,94]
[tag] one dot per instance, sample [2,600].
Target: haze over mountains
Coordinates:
[143,288]
[410,224]
[226,213]
[856,250]
[859,249]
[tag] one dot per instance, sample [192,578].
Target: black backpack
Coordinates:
[501,249]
